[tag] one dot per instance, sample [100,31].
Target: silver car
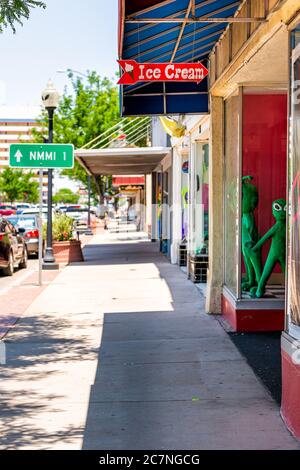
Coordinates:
[31,230]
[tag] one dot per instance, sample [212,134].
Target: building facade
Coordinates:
[254,145]
[252,50]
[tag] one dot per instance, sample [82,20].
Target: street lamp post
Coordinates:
[89,229]
[50,98]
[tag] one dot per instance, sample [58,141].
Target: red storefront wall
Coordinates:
[264,153]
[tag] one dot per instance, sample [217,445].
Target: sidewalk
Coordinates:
[15,299]
[117,354]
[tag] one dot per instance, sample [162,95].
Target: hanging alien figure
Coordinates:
[277,249]
[250,237]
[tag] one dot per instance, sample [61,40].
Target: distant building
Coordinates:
[16,124]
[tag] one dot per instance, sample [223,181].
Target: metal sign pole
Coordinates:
[40,227]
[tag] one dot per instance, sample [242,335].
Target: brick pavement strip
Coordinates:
[19,297]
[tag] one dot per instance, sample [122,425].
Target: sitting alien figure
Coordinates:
[277,249]
[250,237]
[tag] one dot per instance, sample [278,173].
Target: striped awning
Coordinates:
[170,31]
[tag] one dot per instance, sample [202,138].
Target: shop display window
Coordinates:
[255,193]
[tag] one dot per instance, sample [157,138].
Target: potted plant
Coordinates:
[66,248]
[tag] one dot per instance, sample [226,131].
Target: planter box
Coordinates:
[67,252]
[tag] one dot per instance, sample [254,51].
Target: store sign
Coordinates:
[135,72]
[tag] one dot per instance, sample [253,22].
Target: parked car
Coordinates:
[61,209]
[35,211]
[20,206]
[31,230]
[7,209]
[13,250]
[80,217]
[23,205]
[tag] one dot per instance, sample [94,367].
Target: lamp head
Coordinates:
[50,96]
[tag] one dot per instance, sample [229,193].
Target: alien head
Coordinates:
[250,195]
[279,209]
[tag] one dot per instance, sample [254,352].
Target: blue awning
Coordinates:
[166,38]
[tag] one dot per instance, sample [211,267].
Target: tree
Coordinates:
[82,115]
[18,186]
[13,11]
[65,196]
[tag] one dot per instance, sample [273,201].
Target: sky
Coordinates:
[75,34]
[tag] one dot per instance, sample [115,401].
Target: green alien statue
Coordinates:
[277,249]
[250,235]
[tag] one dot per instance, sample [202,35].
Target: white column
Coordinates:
[148,202]
[176,205]
[215,248]
[191,208]
[154,207]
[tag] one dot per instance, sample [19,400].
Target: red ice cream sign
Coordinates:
[135,72]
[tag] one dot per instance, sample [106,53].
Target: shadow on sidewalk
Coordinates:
[147,370]
[37,344]
[167,375]
[33,349]
[172,379]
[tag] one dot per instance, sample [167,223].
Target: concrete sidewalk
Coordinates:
[117,354]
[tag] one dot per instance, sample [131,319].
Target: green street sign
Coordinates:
[41,156]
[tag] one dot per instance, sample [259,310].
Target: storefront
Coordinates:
[131,195]
[124,163]
[198,220]
[251,191]
[254,198]
[189,207]
[153,34]
[291,337]
[254,186]
[248,170]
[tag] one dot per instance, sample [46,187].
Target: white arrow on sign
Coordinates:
[18,156]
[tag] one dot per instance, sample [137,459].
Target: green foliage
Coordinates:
[90,109]
[17,185]
[65,196]
[14,11]
[62,228]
